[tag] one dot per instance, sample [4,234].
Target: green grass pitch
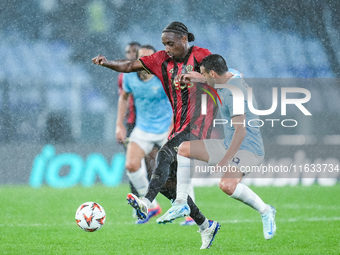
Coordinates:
[41,221]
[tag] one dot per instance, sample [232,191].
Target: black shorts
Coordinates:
[171,149]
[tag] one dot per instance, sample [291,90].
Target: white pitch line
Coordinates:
[313,219]
[310,207]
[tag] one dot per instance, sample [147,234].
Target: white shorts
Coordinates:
[216,151]
[147,140]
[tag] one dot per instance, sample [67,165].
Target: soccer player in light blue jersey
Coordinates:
[242,146]
[153,122]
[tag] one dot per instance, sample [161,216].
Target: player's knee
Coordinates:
[227,186]
[184,149]
[132,166]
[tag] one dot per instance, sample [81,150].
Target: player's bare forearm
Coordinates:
[122,65]
[122,108]
[121,112]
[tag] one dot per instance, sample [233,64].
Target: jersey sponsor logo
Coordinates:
[178,85]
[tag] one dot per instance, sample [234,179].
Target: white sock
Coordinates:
[183,179]
[147,202]
[153,204]
[139,179]
[204,225]
[191,192]
[249,197]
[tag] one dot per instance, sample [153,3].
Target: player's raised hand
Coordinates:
[195,77]
[189,77]
[181,79]
[99,60]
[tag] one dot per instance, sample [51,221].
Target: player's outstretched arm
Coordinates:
[121,112]
[122,65]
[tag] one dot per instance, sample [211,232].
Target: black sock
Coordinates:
[195,213]
[160,175]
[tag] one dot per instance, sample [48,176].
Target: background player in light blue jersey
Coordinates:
[153,109]
[153,121]
[241,147]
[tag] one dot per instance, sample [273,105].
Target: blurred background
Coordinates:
[50,93]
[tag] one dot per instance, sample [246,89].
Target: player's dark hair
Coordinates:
[148,46]
[216,63]
[134,44]
[179,28]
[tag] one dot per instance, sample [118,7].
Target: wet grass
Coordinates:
[41,221]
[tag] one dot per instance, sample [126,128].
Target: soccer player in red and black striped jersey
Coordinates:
[183,98]
[177,58]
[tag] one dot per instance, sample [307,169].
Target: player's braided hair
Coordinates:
[179,28]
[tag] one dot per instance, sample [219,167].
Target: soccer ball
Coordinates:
[90,216]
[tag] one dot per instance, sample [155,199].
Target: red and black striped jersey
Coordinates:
[131,114]
[185,99]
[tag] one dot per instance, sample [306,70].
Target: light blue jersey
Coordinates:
[253,140]
[153,109]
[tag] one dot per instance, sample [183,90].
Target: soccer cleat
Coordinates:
[139,205]
[151,213]
[269,226]
[188,222]
[176,211]
[208,234]
[133,215]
